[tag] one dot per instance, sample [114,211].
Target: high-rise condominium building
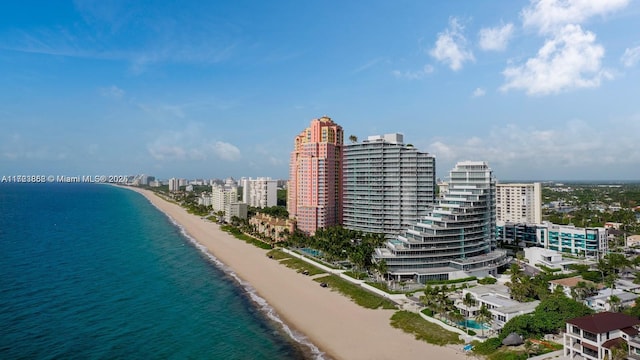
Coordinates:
[174,184]
[456,239]
[315,176]
[261,192]
[222,196]
[519,203]
[388,185]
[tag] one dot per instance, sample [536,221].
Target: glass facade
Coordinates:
[589,242]
[456,238]
[387,185]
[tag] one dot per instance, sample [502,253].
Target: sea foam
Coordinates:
[261,303]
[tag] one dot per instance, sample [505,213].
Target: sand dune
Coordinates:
[339,327]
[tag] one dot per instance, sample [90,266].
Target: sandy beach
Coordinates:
[339,327]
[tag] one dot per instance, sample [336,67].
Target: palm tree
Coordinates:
[615,303]
[455,316]
[285,234]
[353,139]
[468,301]
[484,316]
[382,268]
[402,283]
[428,299]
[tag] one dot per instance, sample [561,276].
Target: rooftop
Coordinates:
[603,322]
[519,308]
[571,281]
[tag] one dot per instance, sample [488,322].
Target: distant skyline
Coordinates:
[542,90]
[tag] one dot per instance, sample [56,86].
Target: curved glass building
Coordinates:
[456,239]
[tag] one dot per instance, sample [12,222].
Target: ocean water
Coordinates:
[96,272]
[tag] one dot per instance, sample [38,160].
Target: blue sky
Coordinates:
[539,89]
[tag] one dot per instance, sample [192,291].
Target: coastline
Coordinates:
[337,326]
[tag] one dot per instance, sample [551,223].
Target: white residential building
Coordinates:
[497,300]
[260,192]
[456,239]
[388,185]
[205,199]
[174,184]
[589,242]
[601,301]
[595,336]
[223,196]
[519,203]
[552,259]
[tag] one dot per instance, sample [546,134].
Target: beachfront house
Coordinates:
[272,227]
[600,335]
[497,299]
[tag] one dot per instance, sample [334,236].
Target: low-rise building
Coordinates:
[595,336]
[627,285]
[549,258]
[275,228]
[237,209]
[497,299]
[633,241]
[568,284]
[602,300]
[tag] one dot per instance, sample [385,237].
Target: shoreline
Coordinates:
[338,327]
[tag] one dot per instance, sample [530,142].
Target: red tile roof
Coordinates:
[613,342]
[589,346]
[605,321]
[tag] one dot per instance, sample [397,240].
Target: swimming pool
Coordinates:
[312,252]
[472,324]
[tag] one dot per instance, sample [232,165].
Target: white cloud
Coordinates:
[631,57]
[550,15]
[478,92]
[226,151]
[413,75]
[571,59]
[450,47]
[191,144]
[164,152]
[573,144]
[495,38]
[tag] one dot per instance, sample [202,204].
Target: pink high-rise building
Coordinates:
[315,176]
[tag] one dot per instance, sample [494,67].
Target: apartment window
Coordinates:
[589,352]
[589,336]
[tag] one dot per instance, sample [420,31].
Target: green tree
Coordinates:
[381,268]
[483,317]
[615,303]
[468,301]
[549,316]
[583,290]
[455,316]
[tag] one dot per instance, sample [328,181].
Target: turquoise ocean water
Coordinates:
[96,272]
